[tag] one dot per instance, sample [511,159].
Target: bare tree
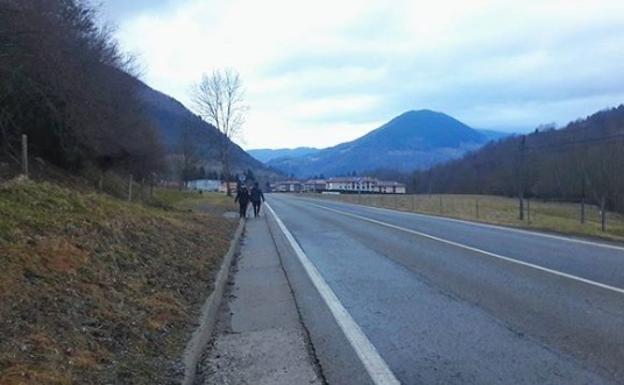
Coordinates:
[219,98]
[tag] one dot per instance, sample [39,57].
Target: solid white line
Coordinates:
[375,365]
[466,247]
[480,224]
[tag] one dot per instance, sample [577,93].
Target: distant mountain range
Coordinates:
[414,140]
[267,154]
[173,118]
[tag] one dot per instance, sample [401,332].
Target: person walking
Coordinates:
[257,197]
[242,197]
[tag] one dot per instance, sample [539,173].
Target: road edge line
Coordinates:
[477,250]
[374,364]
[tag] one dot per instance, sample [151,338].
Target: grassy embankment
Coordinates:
[547,216]
[95,290]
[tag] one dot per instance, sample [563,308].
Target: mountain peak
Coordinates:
[415,139]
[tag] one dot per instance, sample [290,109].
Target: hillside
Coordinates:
[174,120]
[96,290]
[494,135]
[572,163]
[413,140]
[266,154]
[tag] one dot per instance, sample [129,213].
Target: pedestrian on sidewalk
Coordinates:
[242,197]
[257,197]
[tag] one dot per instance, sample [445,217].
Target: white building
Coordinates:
[315,185]
[287,186]
[204,184]
[390,187]
[365,185]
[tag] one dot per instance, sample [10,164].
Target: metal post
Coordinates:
[440,203]
[25,154]
[477,207]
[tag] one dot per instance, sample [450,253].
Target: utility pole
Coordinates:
[521,178]
[583,200]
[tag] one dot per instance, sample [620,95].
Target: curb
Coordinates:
[195,347]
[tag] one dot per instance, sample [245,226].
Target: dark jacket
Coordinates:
[242,197]
[256,195]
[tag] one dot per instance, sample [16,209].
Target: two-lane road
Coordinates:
[452,302]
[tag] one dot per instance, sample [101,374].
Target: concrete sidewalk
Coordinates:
[259,338]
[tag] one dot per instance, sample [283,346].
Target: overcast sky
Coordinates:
[322,72]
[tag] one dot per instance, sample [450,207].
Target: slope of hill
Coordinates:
[494,135]
[577,162]
[411,141]
[266,154]
[174,120]
[97,290]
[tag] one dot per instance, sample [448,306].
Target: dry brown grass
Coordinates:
[548,216]
[94,290]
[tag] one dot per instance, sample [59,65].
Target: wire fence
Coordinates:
[552,215]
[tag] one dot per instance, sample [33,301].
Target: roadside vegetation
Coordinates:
[576,163]
[560,217]
[96,290]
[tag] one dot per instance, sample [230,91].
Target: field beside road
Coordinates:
[557,217]
[96,290]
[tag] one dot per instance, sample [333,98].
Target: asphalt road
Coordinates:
[451,302]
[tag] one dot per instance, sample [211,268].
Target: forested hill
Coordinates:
[268,154]
[410,141]
[179,127]
[65,84]
[584,158]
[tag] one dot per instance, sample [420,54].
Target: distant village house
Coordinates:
[341,185]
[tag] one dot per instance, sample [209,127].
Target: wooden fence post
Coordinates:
[25,154]
[603,214]
[130,188]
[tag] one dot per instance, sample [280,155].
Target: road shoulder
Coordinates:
[259,337]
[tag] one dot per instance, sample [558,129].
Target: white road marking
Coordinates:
[480,224]
[375,365]
[477,250]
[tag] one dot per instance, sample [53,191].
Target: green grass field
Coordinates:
[548,216]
